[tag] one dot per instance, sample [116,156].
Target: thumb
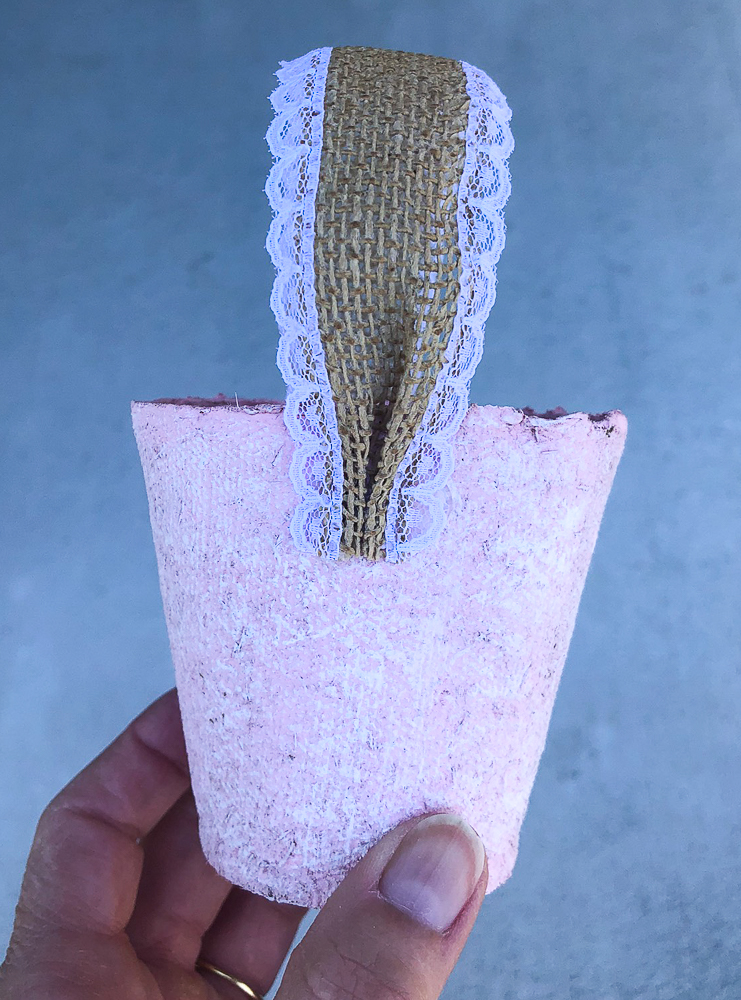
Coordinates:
[395,927]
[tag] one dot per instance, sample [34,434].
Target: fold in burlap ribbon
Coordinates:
[388,188]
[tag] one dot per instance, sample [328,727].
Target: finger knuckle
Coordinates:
[352,972]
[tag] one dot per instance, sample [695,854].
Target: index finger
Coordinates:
[85,862]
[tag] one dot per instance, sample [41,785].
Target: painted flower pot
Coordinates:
[326,700]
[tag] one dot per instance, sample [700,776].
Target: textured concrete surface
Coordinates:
[133,223]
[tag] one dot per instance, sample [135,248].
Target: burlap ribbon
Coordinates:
[386,259]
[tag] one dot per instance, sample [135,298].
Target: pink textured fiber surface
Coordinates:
[325,701]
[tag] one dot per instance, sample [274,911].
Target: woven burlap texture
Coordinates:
[387,260]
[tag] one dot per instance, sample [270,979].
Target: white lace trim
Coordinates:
[295,140]
[416,500]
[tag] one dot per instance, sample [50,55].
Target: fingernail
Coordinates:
[434,870]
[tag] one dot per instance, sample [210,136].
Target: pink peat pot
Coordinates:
[325,701]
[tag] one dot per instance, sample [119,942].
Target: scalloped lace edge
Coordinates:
[300,97]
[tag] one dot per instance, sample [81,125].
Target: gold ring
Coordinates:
[247,990]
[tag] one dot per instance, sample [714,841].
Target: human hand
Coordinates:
[118,900]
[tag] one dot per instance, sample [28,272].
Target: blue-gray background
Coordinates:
[133,266]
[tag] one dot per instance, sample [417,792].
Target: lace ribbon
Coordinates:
[295,140]
[416,512]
